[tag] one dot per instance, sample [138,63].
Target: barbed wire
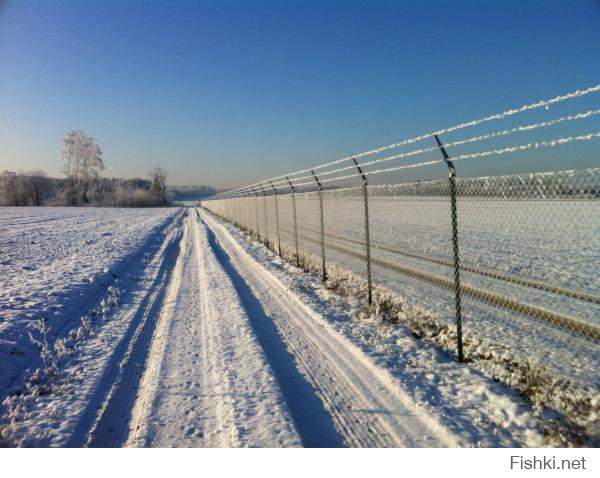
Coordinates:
[473,139]
[507,150]
[534,145]
[284,180]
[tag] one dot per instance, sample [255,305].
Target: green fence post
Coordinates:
[457,298]
[256,213]
[320,187]
[367,231]
[295,220]
[277,218]
[266,215]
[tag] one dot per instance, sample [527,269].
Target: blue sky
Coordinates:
[228,92]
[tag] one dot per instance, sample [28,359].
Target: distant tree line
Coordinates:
[191,193]
[32,188]
[83,185]
[35,188]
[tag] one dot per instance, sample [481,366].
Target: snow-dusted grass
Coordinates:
[570,410]
[51,377]
[517,401]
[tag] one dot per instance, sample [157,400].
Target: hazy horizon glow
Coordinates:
[227,92]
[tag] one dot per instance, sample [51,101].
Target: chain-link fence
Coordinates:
[505,267]
[528,244]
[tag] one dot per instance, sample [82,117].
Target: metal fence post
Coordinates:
[452,179]
[248,214]
[242,211]
[266,215]
[322,223]
[277,218]
[256,213]
[367,232]
[242,207]
[295,220]
[236,208]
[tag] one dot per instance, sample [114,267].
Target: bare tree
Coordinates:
[37,186]
[158,176]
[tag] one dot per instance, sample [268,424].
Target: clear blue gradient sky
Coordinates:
[227,92]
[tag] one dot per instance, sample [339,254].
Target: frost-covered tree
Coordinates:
[32,188]
[9,189]
[91,165]
[83,163]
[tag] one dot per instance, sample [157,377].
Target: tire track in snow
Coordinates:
[207,382]
[367,404]
[107,424]
[313,422]
[74,298]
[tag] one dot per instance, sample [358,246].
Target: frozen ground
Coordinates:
[207,339]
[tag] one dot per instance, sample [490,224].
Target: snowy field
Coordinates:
[170,328]
[56,264]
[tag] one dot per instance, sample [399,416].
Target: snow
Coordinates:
[354,390]
[56,263]
[209,383]
[204,338]
[61,410]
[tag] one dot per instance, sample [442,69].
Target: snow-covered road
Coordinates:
[239,360]
[207,382]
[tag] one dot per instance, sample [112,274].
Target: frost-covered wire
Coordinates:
[495,134]
[473,139]
[534,145]
[507,150]
[295,176]
[468,124]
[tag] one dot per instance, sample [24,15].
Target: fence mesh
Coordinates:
[345,229]
[529,248]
